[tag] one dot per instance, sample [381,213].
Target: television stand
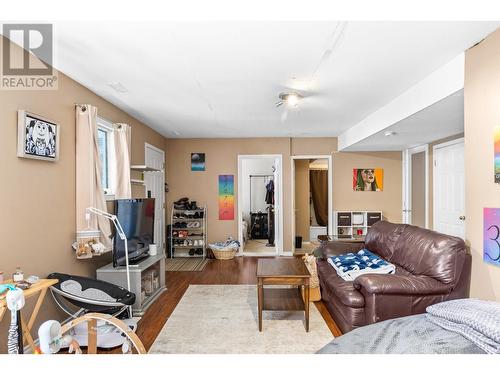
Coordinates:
[141,280]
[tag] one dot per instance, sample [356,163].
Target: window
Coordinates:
[106,145]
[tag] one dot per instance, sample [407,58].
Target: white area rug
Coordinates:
[223,319]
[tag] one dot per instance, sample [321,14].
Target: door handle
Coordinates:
[462,218]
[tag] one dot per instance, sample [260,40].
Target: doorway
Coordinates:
[154,184]
[416,191]
[448,188]
[260,217]
[311,201]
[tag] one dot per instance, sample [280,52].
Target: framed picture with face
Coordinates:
[367,179]
[37,137]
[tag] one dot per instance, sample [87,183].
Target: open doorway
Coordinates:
[259,203]
[416,191]
[312,197]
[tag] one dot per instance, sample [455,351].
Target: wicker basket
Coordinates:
[224,253]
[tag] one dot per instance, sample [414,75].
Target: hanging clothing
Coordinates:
[270,192]
[319,192]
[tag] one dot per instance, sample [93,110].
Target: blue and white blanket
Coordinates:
[351,265]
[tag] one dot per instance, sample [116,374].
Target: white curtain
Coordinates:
[121,135]
[86,119]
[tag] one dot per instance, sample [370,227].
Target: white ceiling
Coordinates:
[438,121]
[222,79]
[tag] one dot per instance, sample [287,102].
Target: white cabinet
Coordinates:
[354,224]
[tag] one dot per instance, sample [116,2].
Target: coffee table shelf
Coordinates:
[283,299]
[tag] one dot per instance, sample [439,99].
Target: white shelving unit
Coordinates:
[354,224]
[194,234]
[142,169]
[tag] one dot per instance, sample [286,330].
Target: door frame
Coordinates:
[434,174]
[407,154]
[164,227]
[278,212]
[330,191]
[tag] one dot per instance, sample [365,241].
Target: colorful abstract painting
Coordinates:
[491,235]
[198,162]
[226,197]
[497,154]
[367,179]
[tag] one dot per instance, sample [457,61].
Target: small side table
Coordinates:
[287,272]
[40,289]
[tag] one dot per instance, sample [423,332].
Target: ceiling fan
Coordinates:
[291,99]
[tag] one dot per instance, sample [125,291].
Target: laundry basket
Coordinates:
[224,253]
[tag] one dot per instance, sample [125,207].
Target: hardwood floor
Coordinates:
[241,270]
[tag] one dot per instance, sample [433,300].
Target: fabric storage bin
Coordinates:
[373,217]
[358,218]
[344,219]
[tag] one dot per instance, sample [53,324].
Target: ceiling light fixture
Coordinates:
[390,133]
[290,98]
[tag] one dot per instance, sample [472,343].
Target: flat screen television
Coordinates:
[137,217]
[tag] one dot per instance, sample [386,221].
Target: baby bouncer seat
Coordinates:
[93,296]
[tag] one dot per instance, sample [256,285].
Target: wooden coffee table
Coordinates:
[283,271]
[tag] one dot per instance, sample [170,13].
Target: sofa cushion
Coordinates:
[382,237]
[424,252]
[332,248]
[334,285]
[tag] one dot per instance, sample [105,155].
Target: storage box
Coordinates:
[344,219]
[373,217]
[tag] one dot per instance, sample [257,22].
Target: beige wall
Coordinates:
[482,114]
[302,192]
[37,222]
[389,201]
[221,158]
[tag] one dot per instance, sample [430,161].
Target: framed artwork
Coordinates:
[226,197]
[37,137]
[497,153]
[367,179]
[491,236]
[198,162]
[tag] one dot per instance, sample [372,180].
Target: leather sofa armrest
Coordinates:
[332,248]
[400,285]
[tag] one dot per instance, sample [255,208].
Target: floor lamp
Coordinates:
[120,232]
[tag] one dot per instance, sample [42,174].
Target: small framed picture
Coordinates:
[197,162]
[37,137]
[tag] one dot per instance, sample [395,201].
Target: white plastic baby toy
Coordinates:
[15,302]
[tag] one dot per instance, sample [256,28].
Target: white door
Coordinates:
[155,188]
[449,192]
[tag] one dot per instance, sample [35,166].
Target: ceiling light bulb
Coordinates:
[389,133]
[292,100]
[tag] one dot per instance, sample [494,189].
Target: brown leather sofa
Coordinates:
[430,267]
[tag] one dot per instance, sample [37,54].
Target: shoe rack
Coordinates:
[188,232]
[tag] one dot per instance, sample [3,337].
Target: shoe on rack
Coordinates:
[197,215]
[191,252]
[199,251]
